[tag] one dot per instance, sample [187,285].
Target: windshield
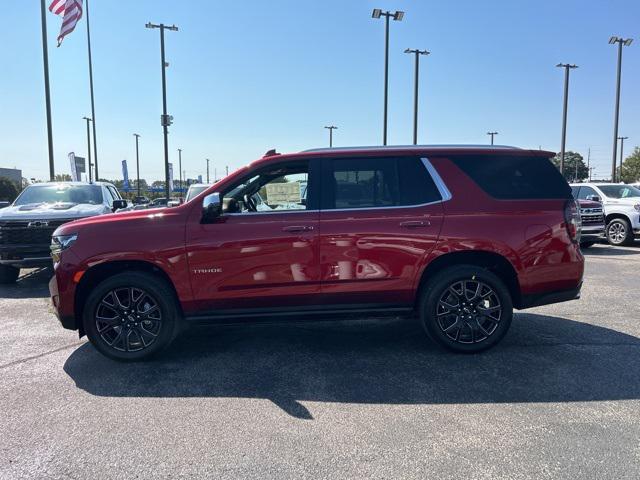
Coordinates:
[60,193]
[620,191]
[195,191]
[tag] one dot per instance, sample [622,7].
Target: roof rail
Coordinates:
[414,147]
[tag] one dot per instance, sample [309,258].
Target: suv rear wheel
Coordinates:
[131,316]
[619,232]
[8,274]
[466,309]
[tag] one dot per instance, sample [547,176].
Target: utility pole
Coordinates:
[397,16]
[589,162]
[180,172]
[93,108]
[166,119]
[621,42]
[88,147]
[47,95]
[566,67]
[226,171]
[417,54]
[207,170]
[492,135]
[137,163]
[622,139]
[331,129]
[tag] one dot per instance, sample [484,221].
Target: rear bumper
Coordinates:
[546,298]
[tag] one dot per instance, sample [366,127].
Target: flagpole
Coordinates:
[93,108]
[47,95]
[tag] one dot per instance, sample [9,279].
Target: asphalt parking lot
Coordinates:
[559,398]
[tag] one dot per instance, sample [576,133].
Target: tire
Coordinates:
[586,244]
[8,274]
[139,322]
[619,232]
[478,331]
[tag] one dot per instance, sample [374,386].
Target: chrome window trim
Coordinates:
[269,212]
[442,187]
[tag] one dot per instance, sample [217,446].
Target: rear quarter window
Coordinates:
[515,177]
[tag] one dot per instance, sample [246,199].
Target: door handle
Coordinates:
[297,228]
[415,224]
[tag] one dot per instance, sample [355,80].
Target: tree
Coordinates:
[571,161]
[8,190]
[631,167]
[62,177]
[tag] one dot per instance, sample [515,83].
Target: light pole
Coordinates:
[180,172]
[165,119]
[621,42]
[88,147]
[417,54]
[207,170]
[622,139]
[567,67]
[331,129]
[137,163]
[492,135]
[397,16]
[226,171]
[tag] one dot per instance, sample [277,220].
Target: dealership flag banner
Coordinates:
[125,175]
[71,13]
[171,177]
[74,169]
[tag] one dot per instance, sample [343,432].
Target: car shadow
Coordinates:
[31,284]
[610,251]
[542,359]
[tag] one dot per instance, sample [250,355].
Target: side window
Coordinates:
[574,191]
[376,182]
[275,189]
[114,193]
[586,192]
[108,196]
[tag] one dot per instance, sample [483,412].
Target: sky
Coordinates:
[248,76]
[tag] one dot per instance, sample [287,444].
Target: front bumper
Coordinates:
[25,256]
[592,232]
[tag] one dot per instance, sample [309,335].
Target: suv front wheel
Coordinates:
[466,309]
[131,316]
[619,232]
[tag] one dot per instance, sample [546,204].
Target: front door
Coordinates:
[380,218]
[262,252]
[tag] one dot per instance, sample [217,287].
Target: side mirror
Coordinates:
[118,204]
[594,198]
[211,207]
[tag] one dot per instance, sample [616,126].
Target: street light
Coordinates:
[137,163]
[417,54]
[492,135]
[622,139]
[88,147]
[165,120]
[397,16]
[180,171]
[621,42]
[567,67]
[331,129]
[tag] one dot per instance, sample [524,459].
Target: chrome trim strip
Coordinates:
[442,187]
[269,212]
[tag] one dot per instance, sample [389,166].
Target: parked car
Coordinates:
[592,220]
[195,189]
[26,226]
[455,236]
[141,200]
[621,208]
[164,202]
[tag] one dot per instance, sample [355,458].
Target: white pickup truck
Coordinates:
[621,208]
[27,224]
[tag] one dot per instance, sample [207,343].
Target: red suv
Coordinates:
[455,236]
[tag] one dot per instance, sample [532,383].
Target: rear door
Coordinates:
[379,219]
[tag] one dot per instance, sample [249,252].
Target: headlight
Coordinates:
[60,243]
[637,207]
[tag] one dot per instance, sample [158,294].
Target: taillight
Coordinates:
[572,220]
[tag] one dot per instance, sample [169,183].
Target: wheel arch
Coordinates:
[97,273]
[494,262]
[613,216]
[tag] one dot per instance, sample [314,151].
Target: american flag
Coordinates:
[70,11]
